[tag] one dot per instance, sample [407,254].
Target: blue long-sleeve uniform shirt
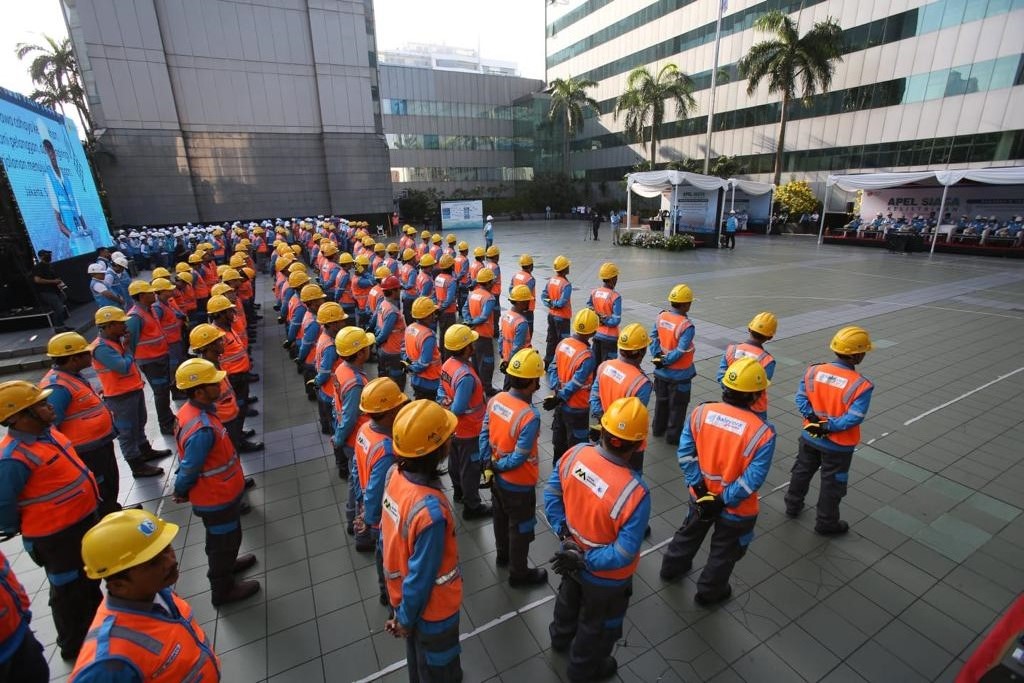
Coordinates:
[731,224]
[560,302]
[612,320]
[387,326]
[734,492]
[309,339]
[373,495]
[485,313]
[134,327]
[631,535]
[296,323]
[116,362]
[345,422]
[525,441]
[323,371]
[597,410]
[851,418]
[519,335]
[428,550]
[426,353]
[463,390]
[581,378]
[449,299]
[681,376]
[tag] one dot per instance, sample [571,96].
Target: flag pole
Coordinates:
[714,77]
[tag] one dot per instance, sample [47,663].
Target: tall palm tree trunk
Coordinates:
[782,140]
[654,147]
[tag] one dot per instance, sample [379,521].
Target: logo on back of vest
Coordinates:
[729,424]
[741,353]
[587,477]
[390,508]
[666,324]
[836,381]
[502,411]
[614,373]
[363,441]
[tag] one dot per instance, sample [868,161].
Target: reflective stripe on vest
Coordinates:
[570,354]
[670,327]
[603,301]
[442,283]
[393,344]
[726,437]
[113,383]
[234,360]
[554,289]
[736,351]
[415,336]
[470,422]
[152,343]
[347,378]
[831,390]
[477,298]
[221,480]
[14,602]
[524,278]
[510,320]
[507,416]
[87,421]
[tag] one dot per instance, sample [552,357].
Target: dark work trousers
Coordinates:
[350,311]
[102,463]
[158,376]
[240,383]
[589,617]
[407,311]
[308,373]
[464,470]
[460,297]
[378,560]
[55,302]
[729,543]
[568,428]
[558,329]
[671,399]
[390,365]
[483,361]
[835,473]
[444,321]
[234,429]
[729,240]
[223,539]
[325,411]
[351,504]
[27,664]
[130,421]
[73,596]
[419,391]
[514,520]
[432,654]
[604,349]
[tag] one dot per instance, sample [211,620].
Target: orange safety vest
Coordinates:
[359,292]
[726,438]
[218,246]
[471,422]
[570,354]
[524,278]
[187,298]
[113,383]
[238,324]
[404,271]
[234,360]
[371,446]
[496,283]
[323,342]
[347,378]
[404,517]
[245,290]
[14,602]
[415,335]
[60,490]
[199,285]
[87,421]
[599,498]
[307,320]
[462,269]
[226,405]
[510,320]
[373,298]
[508,416]
[221,480]
[618,379]
[393,344]
[477,298]
[474,269]
[435,251]
[670,327]
[554,289]
[419,285]
[152,343]
[442,283]
[293,303]
[164,648]
[602,300]
[343,285]
[260,243]
[169,323]
[209,273]
[832,389]
[734,352]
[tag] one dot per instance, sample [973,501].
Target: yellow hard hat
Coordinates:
[485,275]
[237,261]
[381,395]
[525,260]
[185,277]
[435,238]
[161,285]
[330,312]
[680,294]
[230,274]
[196,372]
[311,293]
[204,334]
[526,363]
[16,395]
[297,279]
[626,418]
[350,340]
[282,263]
[446,262]
[381,272]
[297,267]
[161,272]
[425,235]
[241,247]
[216,304]
[345,259]
[409,230]
[451,238]
[745,374]
[296,248]
[422,307]
[560,263]
[221,268]
[463,246]
[109,314]
[520,293]
[458,337]
[328,248]
[479,252]
[378,248]
[205,246]
[123,540]
[408,254]
[195,258]
[392,248]
[426,261]
[362,260]
[764,323]
[317,237]
[493,251]
[66,344]
[249,272]
[586,321]
[608,270]
[851,340]
[421,427]
[220,289]
[136,287]
[182,267]
[633,337]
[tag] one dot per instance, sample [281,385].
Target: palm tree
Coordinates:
[644,100]
[794,65]
[55,69]
[569,102]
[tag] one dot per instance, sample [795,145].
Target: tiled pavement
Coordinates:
[935,552]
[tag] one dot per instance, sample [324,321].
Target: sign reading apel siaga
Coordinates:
[1002,201]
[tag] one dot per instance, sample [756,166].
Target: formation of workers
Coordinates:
[429,314]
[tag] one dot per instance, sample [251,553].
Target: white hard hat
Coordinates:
[490,217]
[96,268]
[121,261]
[117,254]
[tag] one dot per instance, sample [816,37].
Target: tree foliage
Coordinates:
[643,102]
[569,104]
[54,70]
[797,197]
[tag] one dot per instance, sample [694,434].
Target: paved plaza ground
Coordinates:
[936,546]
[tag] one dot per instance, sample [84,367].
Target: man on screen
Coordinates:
[70,221]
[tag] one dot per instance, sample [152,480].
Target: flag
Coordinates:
[725,6]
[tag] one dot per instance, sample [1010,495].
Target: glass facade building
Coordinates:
[921,84]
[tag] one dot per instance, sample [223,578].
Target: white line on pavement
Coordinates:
[962,396]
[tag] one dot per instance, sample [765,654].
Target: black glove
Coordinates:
[709,507]
[568,561]
[286,344]
[503,366]
[405,366]
[594,434]
[551,402]
[280,320]
[817,429]
[658,362]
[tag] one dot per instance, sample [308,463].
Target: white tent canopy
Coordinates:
[1006,175]
[654,184]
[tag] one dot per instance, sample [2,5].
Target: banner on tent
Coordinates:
[758,208]
[1003,202]
[695,210]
